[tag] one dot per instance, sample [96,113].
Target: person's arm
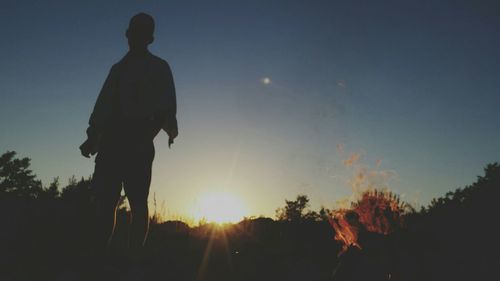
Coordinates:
[170,105]
[100,116]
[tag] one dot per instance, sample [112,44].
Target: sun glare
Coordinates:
[220,207]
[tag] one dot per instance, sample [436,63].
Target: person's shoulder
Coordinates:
[159,62]
[119,64]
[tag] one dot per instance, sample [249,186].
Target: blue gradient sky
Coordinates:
[411,83]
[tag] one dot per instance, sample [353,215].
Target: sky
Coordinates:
[275,98]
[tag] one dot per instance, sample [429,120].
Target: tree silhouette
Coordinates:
[295,210]
[483,193]
[53,189]
[16,178]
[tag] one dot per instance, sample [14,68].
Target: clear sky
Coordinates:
[412,87]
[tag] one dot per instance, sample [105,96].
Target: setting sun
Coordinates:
[220,207]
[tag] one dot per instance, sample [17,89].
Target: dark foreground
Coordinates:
[45,234]
[261,249]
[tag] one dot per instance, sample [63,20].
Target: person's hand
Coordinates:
[87,149]
[170,127]
[172,134]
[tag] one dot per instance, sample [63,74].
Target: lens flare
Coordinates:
[266,80]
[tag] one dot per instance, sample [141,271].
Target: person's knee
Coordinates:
[139,211]
[106,206]
[139,207]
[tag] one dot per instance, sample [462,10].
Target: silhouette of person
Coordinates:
[137,100]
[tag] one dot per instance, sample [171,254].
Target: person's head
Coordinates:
[140,31]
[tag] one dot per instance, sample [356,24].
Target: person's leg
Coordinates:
[139,223]
[106,185]
[136,185]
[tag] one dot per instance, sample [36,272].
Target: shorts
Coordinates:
[123,165]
